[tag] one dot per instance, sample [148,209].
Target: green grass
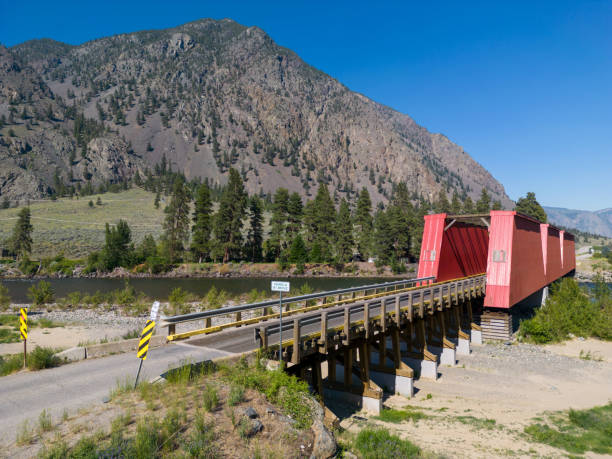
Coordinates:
[71,227]
[43,322]
[280,388]
[10,364]
[210,398]
[380,444]
[478,423]
[397,416]
[9,320]
[236,395]
[176,422]
[576,431]
[8,335]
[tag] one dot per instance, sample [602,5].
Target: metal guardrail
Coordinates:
[418,297]
[295,299]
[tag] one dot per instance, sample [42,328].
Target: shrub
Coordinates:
[255,295]
[380,444]
[45,423]
[236,395]
[398,267]
[42,357]
[210,398]
[216,298]
[10,364]
[41,293]
[283,262]
[25,435]
[571,309]
[74,299]
[177,299]
[157,265]
[125,296]
[28,267]
[280,388]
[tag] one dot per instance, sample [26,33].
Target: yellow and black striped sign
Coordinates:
[23,323]
[145,337]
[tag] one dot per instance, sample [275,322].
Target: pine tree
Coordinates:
[254,251]
[228,220]
[497,205]
[455,206]
[156,201]
[324,221]
[442,206]
[364,223]
[295,209]
[176,223]
[382,239]
[21,241]
[530,206]
[297,252]
[277,242]
[468,206]
[202,223]
[344,233]
[483,206]
[398,222]
[117,249]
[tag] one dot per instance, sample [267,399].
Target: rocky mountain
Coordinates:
[595,222]
[208,95]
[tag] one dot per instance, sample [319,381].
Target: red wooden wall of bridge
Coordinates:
[460,251]
[519,254]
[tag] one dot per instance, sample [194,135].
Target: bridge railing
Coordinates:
[338,324]
[266,307]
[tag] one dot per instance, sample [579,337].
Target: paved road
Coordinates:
[25,395]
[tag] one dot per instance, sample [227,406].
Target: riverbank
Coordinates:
[10,270]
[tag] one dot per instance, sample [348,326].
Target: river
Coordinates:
[160,288]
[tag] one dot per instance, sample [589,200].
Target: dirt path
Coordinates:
[480,407]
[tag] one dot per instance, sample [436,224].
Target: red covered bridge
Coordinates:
[520,256]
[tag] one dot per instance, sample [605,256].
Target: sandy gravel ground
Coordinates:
[509,384]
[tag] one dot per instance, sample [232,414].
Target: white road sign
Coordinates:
[278,286]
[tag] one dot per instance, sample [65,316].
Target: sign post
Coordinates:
[145,338]
[23,328]
[280,287]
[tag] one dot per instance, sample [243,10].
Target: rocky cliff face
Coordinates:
[211,95]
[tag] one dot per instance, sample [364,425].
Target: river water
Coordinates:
[160,288]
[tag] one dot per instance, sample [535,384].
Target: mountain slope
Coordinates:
[210,95]
[597,222]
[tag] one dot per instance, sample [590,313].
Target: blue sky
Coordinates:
[524,87]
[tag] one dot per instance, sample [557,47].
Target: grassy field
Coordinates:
[73,227]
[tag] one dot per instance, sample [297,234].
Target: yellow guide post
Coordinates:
[23,329]
[143,345]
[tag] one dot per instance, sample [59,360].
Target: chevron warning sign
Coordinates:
[145,338]
[23,323]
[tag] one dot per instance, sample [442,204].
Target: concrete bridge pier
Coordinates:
[349,380]
[387,368]
[416,352]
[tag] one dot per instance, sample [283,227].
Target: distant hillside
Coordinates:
[208,95]
[597,222]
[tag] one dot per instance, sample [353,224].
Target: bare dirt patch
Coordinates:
[480,407]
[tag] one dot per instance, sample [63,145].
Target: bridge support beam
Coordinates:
[367,395]
[397,379]
[475,330]
[422,360]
